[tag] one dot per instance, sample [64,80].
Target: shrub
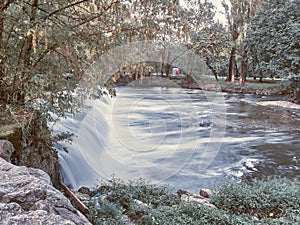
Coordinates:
[134,199]
[271,198]
[274,201]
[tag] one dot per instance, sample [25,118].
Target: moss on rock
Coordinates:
[33,145]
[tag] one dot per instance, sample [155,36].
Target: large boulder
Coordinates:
[6,149]
[28,197]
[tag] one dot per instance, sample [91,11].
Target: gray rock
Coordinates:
[82,197]
[205,193]
[6,149]
[84,190]
[196,199]
[27,197]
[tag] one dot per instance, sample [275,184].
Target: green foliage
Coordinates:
[137,190]
[194,214]
[274,201]
[63,136]
[135,199]
[276,198]
[146,203]
[209,39]
[48,47]
[105,211]
[273,39]
[212,43]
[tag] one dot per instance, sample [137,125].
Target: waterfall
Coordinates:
[172,136]
[146,133]
[90,128]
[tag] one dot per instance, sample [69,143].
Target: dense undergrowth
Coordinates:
[275,201]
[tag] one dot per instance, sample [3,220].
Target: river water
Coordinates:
[188,139]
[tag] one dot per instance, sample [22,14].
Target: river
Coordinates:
[188,139]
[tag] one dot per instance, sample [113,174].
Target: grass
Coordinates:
[267,87]
[275,201]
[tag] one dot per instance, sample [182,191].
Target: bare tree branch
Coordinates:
[65,7]
[96,16]
[6,5]
[43,55]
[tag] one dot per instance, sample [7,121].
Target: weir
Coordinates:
[148,133]
[90,128]
[169,135]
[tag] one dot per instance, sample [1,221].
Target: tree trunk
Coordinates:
[244,69]
[167,69]
[26,59]
[216,76]
[2,84]
[260,76]
[168,65]
[215,72]
[78,204]
[156,68]
[3,7]
[255,64]
[162,65]
[28,42]
[1,41]
[236,70]
[232,62]
[162,69]
[297,95]
[231,70]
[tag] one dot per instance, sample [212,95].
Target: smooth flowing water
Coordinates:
[186,138]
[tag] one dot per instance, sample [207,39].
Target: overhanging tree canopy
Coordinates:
[46,46]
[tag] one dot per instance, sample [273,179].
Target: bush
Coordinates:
[135,199]
[274,201]
[194,214]
[272,198]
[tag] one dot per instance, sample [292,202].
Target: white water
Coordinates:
[164,135]
[149,133]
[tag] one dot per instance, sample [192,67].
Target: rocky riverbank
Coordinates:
[32,140]
[28,197]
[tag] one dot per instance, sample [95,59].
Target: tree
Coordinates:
[212,43]
[42,49]
[46,46]
[208,38]
[169,26]
[273,39]
[238,16]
